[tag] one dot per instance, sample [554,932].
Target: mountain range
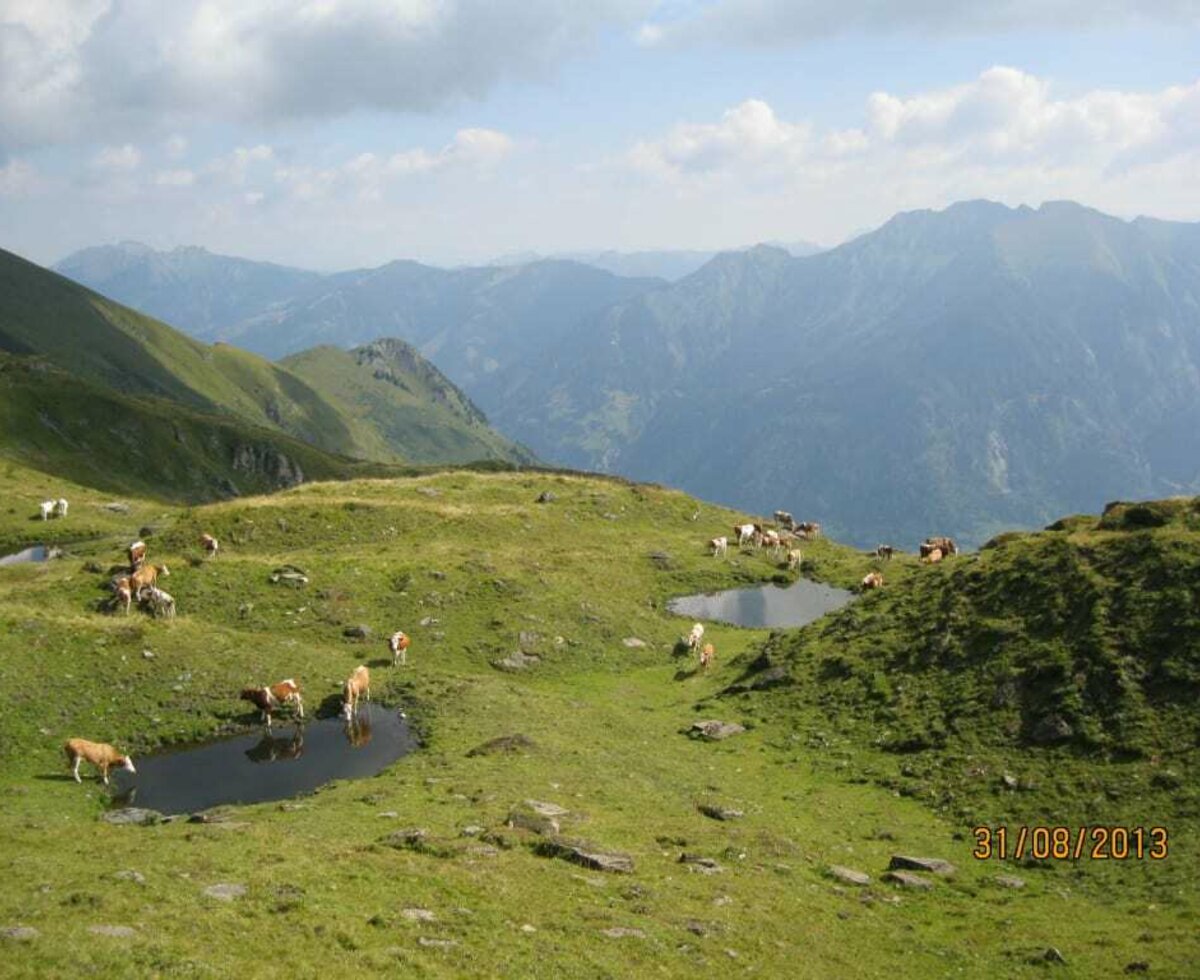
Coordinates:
[961,371]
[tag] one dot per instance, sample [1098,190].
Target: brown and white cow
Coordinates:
[357,684]
[872,580]
[398,643]
[100,754]
[269,700]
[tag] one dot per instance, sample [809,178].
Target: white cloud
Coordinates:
[781,22]
[1003,118]
[17,177]
[73,69]
[118,158]
[175,178]
[175,147]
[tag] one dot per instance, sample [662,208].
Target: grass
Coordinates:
[476,553]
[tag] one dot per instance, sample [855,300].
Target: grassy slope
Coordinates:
[605,719]
[104,342]
[53,421]
[411,406]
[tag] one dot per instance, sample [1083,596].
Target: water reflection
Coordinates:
[768,605]
[238,769]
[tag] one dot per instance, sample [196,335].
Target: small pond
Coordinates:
[766,605]
[266,765]
[39,552]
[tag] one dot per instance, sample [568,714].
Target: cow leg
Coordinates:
[75,770]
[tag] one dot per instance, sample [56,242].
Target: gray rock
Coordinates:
[1052,728]
[19,934]
[848,875]
[428,492]
[547,809]
[714,731]
[117,507]
[1009,881]
[906,879]
[472,830]
[704,865]
[528,641]
[225,892]
[132,815]
[903,862]
[524,818]
[418,915]
[771,677]
[360,632]
[504,745]
[431,943]
[289,575]
[623,932]
[517,661]
[1050,955]
[586,854]
[633,642]
[718,812]
[135,876]
[1009,781]
[546,497]
[116,932]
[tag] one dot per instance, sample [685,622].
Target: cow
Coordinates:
[872,580]
[398,643]
[719,546]
[357,684]
[101,755]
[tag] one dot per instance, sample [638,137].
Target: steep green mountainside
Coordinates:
[1068,658]
[43,314]
[60,424]
[190,287]
[444,863]
[968,370]
[414,408]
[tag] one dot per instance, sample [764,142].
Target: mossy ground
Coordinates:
[476,553]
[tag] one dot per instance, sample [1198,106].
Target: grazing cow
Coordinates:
[357,684]
[933,556]
[885,551]
[122,592]
[744,533]
[809,529]
[945,545]
[137,555]
[793,559]
[695,636]
[147,575]
[101,755]
[872,580]
[719,546]
[770,539]
[398,643]
[707,655]
[210,545]
[269,700]
[160,602]
[47,509]
[784,519]
[60,507]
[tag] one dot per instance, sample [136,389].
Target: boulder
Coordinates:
[418,915]
[906,879]
[849,876]
[504,745]
[902,862]
[360,632]
[289,575]
[18,934]
[115,932]
[517,661]
[135,876]
[523,818]
[528,641]
[703,865]
[1009,881]
[132,815]
[586,854]
[546,497]
[771,677]
[1052,728]
[718,812]
[714,731]
[623,932]
[225,891]
[633,643]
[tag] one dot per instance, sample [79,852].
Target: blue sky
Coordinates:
[332,134]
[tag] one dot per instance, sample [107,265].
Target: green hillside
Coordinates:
[410,405]
[421,870]
[53,421]
[1069,657]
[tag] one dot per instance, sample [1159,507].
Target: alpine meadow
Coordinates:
[595,491]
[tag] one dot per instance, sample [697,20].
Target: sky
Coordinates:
[332,134]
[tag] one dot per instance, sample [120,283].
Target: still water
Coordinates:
[767,605]
[39,552]
[264,766]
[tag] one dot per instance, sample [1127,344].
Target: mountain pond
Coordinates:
[266,765]
[766,605]
[38,552]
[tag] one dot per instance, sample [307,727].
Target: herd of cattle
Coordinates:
[141,582]
[788,531]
